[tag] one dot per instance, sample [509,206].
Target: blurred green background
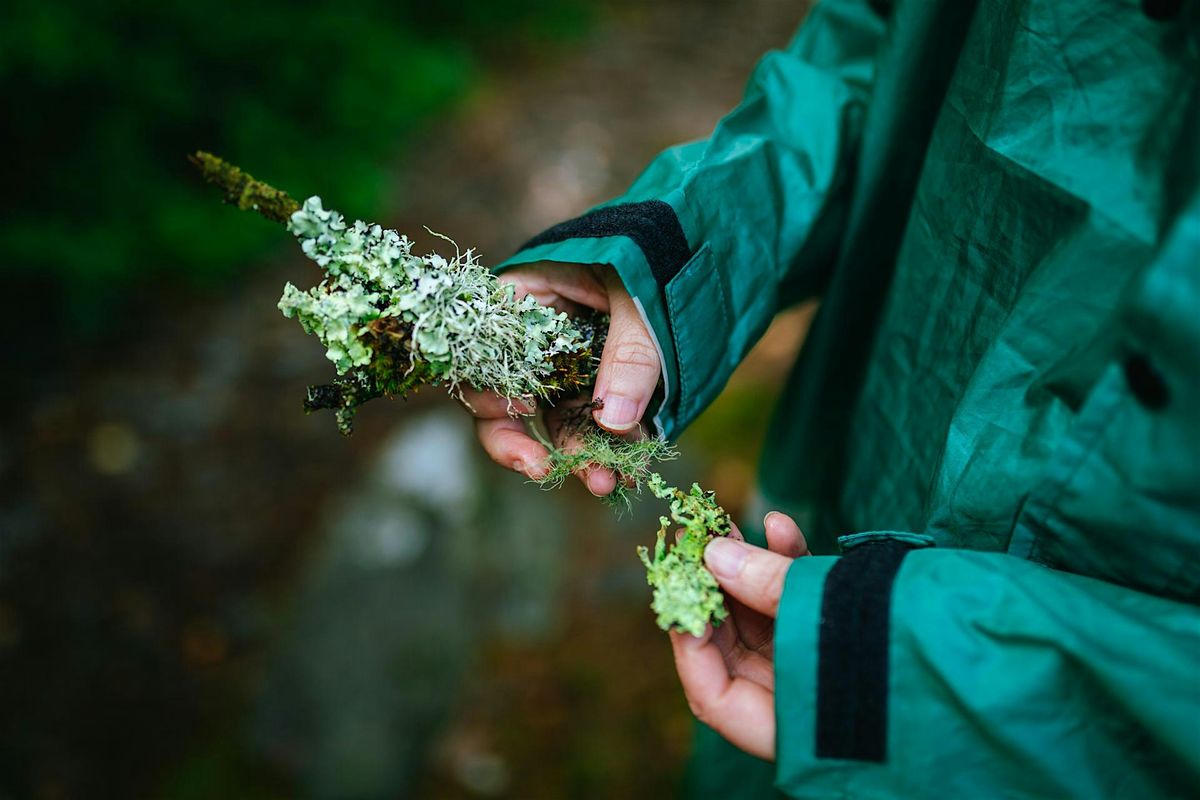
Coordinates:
[206,593]
[106,97]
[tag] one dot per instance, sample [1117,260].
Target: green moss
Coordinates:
[242,190]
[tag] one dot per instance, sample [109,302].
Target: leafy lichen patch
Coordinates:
[461,321]
[686,595]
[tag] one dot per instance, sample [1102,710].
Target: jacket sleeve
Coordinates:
[944,672]
[909,671]
[716,235]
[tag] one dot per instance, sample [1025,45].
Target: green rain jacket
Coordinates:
[998,406]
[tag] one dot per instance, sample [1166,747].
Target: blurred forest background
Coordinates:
[205,593]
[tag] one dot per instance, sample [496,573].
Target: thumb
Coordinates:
[629,366]
[748,573]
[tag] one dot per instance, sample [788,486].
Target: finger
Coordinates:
[784,536]
[739,709]
[598,481]
[489,405]
[564,286]
[741,660]
[755,631]
[629,366]
[507,443]
[752,666]
[748,573]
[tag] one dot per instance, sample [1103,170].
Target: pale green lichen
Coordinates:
[337,318]
[460,321]
[686,595]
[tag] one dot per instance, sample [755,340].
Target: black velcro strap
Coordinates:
[852,672]
[651,224]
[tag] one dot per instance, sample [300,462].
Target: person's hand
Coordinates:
[728,674]
[628,373]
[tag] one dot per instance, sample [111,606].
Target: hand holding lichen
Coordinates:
[392,321]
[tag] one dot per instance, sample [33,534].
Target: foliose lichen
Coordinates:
[686,595]
[460,320]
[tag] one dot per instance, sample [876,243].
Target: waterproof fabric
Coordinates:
[998,203]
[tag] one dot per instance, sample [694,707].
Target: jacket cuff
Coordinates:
[832,654]
[797,628]
[678,292]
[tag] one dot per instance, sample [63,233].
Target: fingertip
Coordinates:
[726,557]
[536,470]
[526,406]
[751,575]
[600,482]
[506,443]
[688,641]
[617,415]
[783,534]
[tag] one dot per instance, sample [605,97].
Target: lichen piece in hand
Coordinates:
[686,595]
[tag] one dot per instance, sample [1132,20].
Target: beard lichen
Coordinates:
[631,461]
[392,321]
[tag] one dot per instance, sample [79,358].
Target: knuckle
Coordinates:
[482,433]
[700,710]
[637,354]
[492,440]
[775,581]
[494,453]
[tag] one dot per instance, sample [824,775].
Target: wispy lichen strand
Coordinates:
[632,460]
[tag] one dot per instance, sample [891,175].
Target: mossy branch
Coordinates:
[243,190]
[375,344]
